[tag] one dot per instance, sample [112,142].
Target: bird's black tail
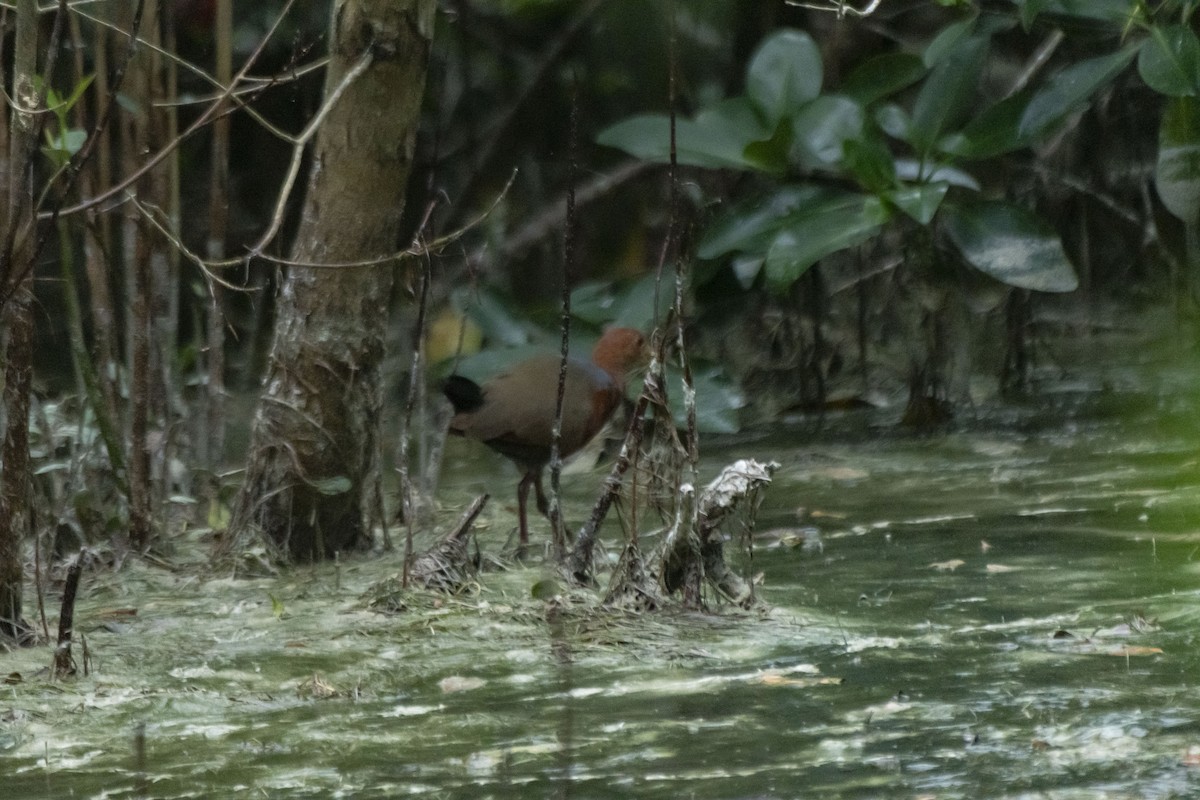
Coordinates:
[463,393]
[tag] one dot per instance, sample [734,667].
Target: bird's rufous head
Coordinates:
[620,350]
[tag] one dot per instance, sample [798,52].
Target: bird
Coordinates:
[513,412]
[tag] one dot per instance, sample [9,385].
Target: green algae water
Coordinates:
[1006,610]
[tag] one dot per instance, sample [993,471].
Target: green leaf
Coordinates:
[894,121]
[1029,10]
[716,138]
[1177,171]
[1169,60]
[69,143]
[908,169]
[218,516]
[79,89]
[993,132]
[784,74]
[813,233]
[627,305]
[883,75]
[1069,90]
[948,92]
[1010,244]
[749,226]
[947,41]
[771,155]
[545,589]
[649,137]
[822,127]
[277,608]
[746,269]
[920,202]
[870,162]
[718,399]
[335,485]
[1117,11]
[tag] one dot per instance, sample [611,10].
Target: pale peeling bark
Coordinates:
[314,449]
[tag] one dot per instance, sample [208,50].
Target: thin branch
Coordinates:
[1036,61]
[254,85]
[147,211]
[416,249]
[309,132]
[568,263]
[549,221]
[839,7]
[209,114]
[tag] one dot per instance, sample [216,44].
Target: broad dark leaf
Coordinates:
[822,127]
[870,162]
[883,75]
[714,143]
[810,235]
[948,41]
[894,121]
[1169,60]
[947,94]
[749,226]
[993,132]
[1069,90]
[927,171]
[784,74]
[1115,11]
[1177,171]
[920,202]
[1010,244]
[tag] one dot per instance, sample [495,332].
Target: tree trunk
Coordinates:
[14,479]
[16,322]
[314,448]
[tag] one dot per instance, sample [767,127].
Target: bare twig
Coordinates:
[418,248]
[579,566]
[549,221]
[310,130]
[212,437]
[215,108]
[416,378]
[1036,61]
[246,85]
[568,264]
[448,566]
[839,7]
[64,664]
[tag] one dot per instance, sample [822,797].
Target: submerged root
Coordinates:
[731,495]
[449,566]
[632,587]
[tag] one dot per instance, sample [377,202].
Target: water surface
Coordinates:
[1005,610]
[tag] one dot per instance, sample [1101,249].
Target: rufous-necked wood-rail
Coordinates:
[513,412]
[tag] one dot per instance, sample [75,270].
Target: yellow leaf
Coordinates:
[218,516]
[441,342]
[1135,650]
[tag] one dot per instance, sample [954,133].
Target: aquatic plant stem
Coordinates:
[568,264]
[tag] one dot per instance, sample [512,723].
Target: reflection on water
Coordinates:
[1005,611]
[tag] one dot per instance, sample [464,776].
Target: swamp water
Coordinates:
[1008,610]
